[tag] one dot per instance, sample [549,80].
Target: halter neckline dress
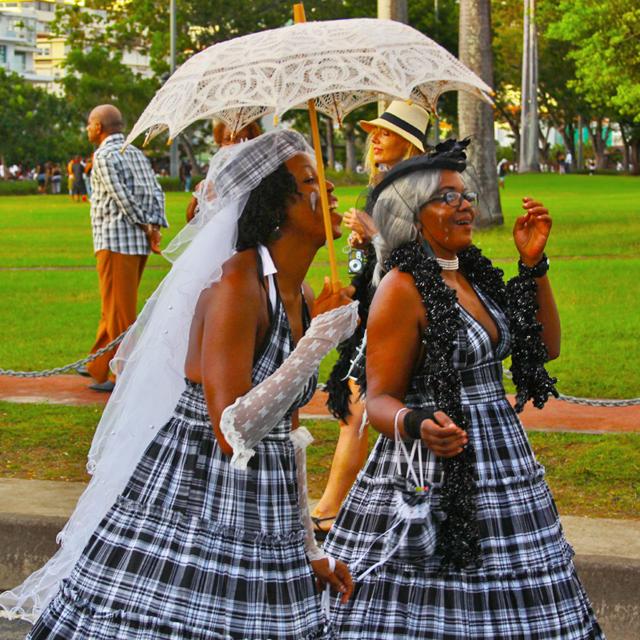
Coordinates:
[194,549]
[526,587]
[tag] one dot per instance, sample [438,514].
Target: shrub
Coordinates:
[18,187]
[508,153]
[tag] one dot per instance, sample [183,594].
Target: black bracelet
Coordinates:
[538,269]
[413,420]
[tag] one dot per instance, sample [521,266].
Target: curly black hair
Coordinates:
[266,209]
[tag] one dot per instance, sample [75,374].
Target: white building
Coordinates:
[18,40]
[40,54]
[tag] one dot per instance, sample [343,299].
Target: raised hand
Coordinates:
[531,231]
[356,241]
[362,223]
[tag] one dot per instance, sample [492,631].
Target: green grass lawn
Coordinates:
[50,307]
[593,216]
[589,475]
[51,304]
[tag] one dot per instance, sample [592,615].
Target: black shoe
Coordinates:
[319,532]
[107,386]
[83,371]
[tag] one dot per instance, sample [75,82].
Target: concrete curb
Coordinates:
[28,541]
[613,583]
[613,586]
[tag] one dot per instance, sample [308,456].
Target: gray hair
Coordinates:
[396,212]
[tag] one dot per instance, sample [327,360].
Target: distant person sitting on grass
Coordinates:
[127,211]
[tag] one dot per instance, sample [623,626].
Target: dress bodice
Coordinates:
[475,357]
[278,345]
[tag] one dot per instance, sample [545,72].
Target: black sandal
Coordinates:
[319,533]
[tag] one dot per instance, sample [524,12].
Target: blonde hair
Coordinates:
[370,166]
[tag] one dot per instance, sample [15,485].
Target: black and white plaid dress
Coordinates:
[526,587]
[194,549]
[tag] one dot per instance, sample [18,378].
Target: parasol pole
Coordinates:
[299,16]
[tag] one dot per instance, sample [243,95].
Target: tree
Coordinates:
[604,46]
[631,138]
[559,103]
[116,26]
[98,76]
[507,67]
[475,116]
[605,35]
[143,25]
[36,126]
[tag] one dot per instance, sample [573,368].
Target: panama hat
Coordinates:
[407,120]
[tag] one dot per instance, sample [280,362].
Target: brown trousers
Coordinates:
[119,275]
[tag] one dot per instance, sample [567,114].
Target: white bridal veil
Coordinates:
[150,360]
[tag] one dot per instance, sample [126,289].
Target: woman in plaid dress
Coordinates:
[194,548]
[460,537]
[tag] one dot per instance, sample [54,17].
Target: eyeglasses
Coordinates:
[455,198]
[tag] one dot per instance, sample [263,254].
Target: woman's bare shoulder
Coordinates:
[397,287]
[239,280]
[396,304]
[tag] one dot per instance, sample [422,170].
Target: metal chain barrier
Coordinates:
[591,402]
[68,367]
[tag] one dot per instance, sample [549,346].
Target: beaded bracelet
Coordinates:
[538,269]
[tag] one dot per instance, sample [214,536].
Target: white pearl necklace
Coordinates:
[448,265]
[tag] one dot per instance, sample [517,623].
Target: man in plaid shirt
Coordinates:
[127,211]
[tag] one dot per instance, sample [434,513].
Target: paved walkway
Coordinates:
[557,415]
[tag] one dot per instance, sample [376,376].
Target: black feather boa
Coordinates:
[458,538]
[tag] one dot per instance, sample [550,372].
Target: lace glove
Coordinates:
[252,416]
[301,439]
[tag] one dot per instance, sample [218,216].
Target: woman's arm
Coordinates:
[548,316]
[394,329]
[531,233]
[190,213]
[229,338]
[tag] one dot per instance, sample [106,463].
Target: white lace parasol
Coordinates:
[341,64]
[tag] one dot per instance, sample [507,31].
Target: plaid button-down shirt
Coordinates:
[125,195]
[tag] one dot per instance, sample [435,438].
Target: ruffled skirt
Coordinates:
[194,549]
[526,587]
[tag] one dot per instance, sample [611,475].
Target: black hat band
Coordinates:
[404,125]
